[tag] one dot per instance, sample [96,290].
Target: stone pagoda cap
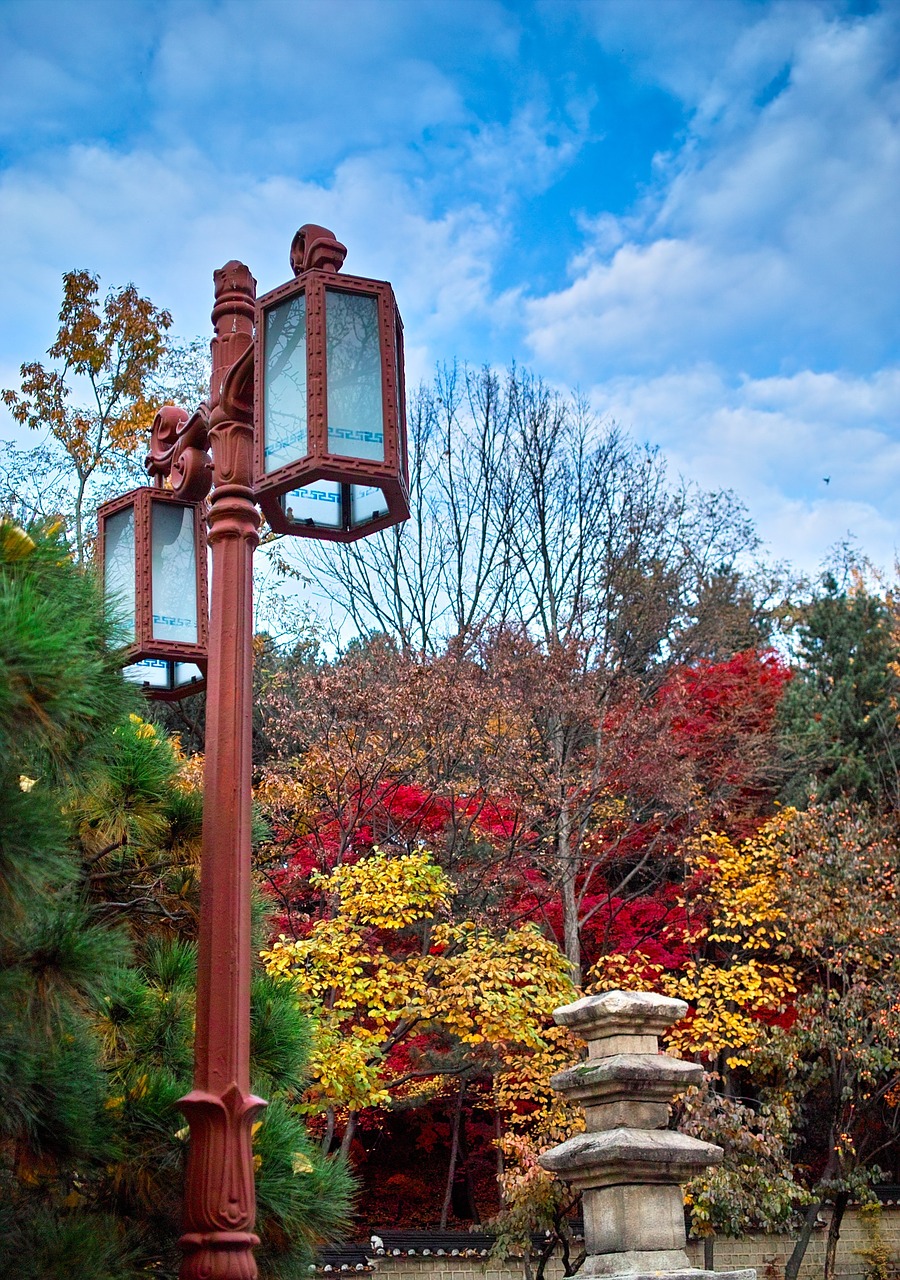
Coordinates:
[619,1156]
[615,1013]
[627,1076]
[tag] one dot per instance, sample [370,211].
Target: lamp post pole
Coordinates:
[220,1204]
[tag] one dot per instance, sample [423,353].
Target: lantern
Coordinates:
[152,553]
[329,400]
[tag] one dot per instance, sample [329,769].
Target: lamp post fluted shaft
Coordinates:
[220,1206]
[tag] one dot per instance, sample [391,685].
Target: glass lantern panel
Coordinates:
[318,503]
[401,408]
[285,406]
[186,673]
[367,502]
[353,353]
[173,572]
[119,572]
[155,672]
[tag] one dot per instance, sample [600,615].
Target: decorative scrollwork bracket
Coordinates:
[179,451]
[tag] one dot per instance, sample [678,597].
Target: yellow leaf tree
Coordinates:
[95,399]
[388,964]
[736,977]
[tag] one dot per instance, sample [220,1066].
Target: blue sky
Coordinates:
[686,208]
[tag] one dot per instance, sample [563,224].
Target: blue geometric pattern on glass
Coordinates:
[366,437]
[152,671]
[318,503]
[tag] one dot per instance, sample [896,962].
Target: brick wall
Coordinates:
[767,1254]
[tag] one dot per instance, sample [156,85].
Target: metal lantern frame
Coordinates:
[144,646]
[390,475]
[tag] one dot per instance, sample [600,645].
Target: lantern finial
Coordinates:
[316,248]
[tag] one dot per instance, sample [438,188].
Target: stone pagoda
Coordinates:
[628,1165]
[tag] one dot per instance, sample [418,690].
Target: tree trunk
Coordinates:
[454,1154]
[709,1253]
[568,871]
[567,863]
[794,1262]
[571,940]
[329,1131]
[561,1230]
[834,1232]
[79,518]
[349,1132]
[547,1252]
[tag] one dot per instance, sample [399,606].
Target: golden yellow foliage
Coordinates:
[740,975]
[738,932]
[387,965]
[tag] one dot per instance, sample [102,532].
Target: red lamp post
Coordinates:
[306,407]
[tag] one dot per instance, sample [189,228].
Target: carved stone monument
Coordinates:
[628,1165]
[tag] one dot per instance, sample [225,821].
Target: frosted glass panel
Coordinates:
[174,573]
[160,673]
[355,414]
[285,383]
[119,572]
[366,503]
[152,671]
[186,673]
[316,503]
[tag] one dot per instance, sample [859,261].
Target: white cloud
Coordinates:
[166,221]
[771,239]
[743,313]
[774,441]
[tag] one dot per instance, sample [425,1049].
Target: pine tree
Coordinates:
[60,690]
[99,872]
[839,713]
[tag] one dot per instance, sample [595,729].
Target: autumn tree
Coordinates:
[382,747]
[94,403]
[755,1188]
[407,997]
[534,518]
[839,1058]
[738,978]
[792,979]
[617,780]
[534,1202]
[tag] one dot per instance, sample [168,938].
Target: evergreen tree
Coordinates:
[839,716]
[60,691]
[99,843]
